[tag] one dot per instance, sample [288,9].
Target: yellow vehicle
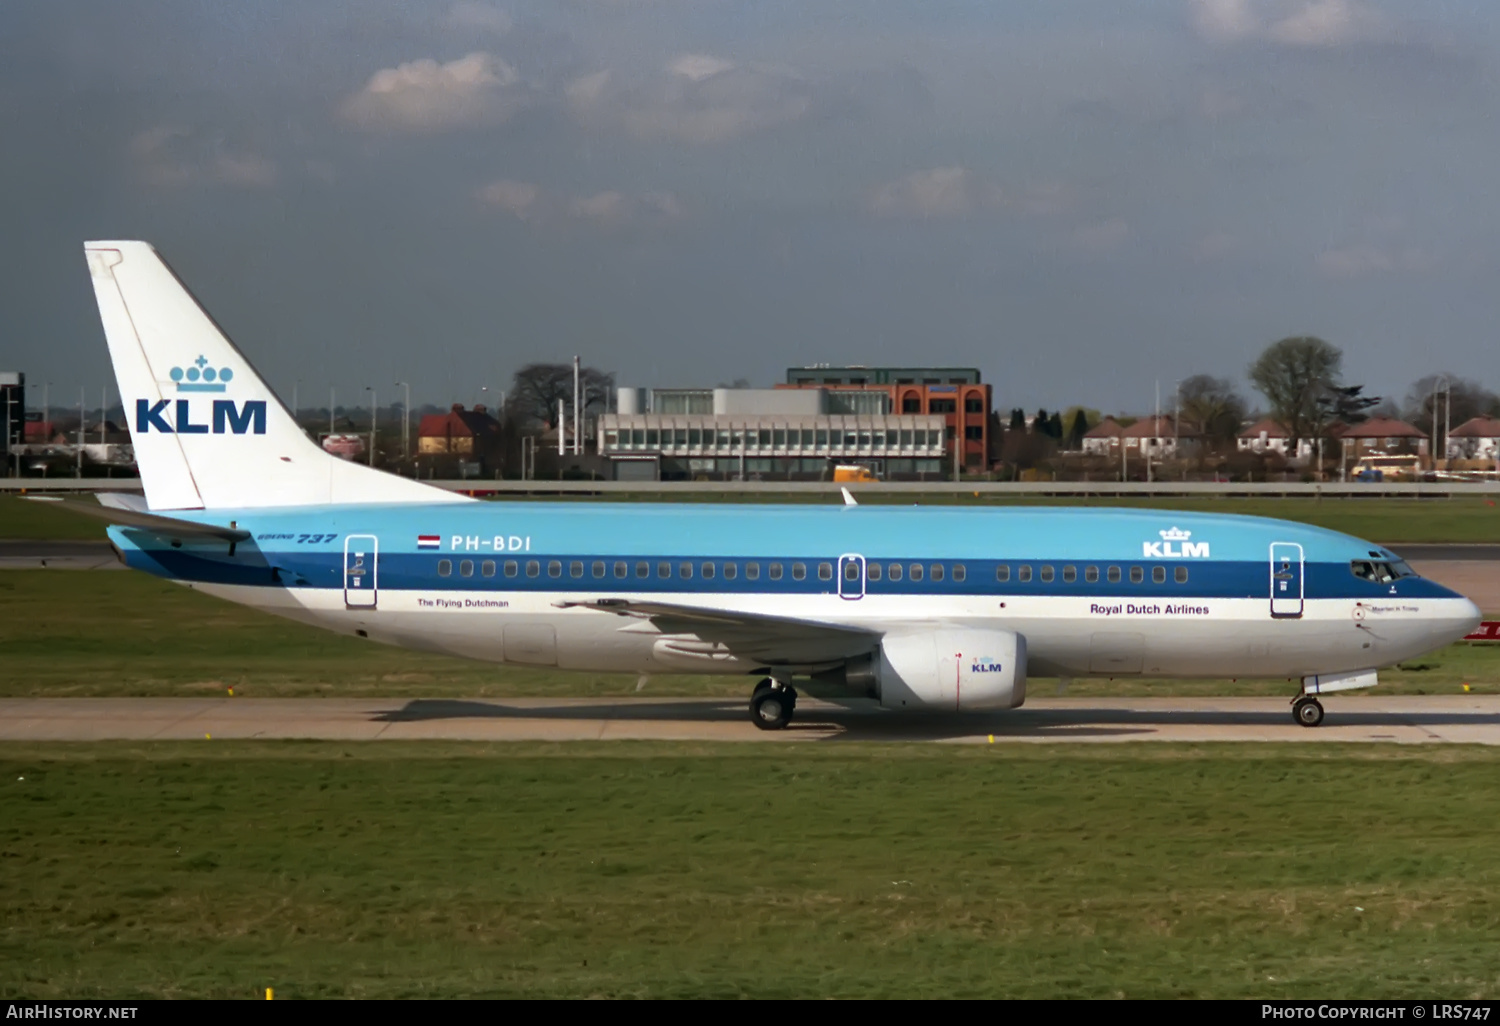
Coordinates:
[1377,466]
[853,472]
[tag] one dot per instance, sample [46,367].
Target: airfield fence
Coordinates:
[996,489]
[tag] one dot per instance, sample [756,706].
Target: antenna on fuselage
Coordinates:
[848,499]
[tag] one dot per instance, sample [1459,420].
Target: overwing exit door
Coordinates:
[361,552]
[1286,580]
[852,576]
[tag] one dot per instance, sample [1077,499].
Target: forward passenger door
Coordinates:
[1286,580]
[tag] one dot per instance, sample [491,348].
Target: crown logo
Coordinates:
[200,377]
[1175,534]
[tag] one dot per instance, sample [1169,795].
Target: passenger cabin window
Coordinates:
[1180,575]
[731,571]
[752,571]
[914,571]
[643,569]
[664,570]
[466,568]
[1114,575]
[554,568]
[1002,572]
[799,571]
[851,571]
[1137,575]
[1159,574]
[512,568]
[1070,574]
[487,568]
[1091,574]
[685,571]
[936,572]
[575,569]
[445,567]
[598,568]
[1046,575]
[620,568]
[707,569]
[895,572]
[1023,573]
[533,567]
[774,570]
[959,573]
[872,571]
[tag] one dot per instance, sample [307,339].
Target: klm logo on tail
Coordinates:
[226,416]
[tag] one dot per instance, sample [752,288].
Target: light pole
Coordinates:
[78,464]
[373,402]
[405,420]
[1447,389]
[577,412]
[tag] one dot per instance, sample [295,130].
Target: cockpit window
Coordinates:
[1379,571]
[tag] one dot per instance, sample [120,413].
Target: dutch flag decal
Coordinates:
[429,541]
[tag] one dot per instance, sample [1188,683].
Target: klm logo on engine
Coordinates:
[225,416]
[984,664]
[1174,544]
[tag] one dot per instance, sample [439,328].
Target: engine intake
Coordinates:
[952,669]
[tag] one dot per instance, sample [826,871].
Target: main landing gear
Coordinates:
[772,704]
[1307,711]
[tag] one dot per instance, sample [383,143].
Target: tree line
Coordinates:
[1301,378]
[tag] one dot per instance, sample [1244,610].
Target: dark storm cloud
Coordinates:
[1081,198]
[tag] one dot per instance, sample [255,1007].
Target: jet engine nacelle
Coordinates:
[951,669]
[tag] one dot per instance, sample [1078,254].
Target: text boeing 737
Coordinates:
[922,608]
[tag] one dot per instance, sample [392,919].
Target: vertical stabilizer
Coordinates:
[208,432]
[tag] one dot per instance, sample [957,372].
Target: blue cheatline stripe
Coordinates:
[401,571]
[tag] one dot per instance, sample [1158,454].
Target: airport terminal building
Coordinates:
[773,434]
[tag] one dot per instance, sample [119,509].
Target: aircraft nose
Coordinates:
[1463,620]
[1471,617]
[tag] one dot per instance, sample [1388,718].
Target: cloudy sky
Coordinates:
[1080,197]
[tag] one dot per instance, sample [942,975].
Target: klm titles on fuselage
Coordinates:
[1174,544]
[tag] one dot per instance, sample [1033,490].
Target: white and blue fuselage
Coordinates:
[1094,591]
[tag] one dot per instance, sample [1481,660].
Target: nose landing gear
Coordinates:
[1307,711]
[772,704]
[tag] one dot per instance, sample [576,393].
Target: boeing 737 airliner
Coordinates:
[922,608]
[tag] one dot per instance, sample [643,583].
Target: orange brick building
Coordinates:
[955,392]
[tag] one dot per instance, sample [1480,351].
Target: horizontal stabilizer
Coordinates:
[169,527]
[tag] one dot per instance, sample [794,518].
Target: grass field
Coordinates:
[408,870]
[90,633]
[1465,519]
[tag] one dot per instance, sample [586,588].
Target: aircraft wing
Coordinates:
[755,637]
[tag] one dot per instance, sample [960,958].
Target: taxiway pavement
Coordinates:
[1467,719]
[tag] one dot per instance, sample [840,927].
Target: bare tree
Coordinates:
[537,387]
[1211,407]
[1427,401]
[1294,374]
